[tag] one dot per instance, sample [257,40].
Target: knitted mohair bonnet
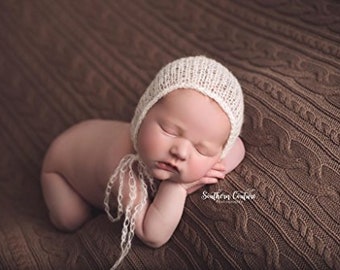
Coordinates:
[203,75]
[197,73]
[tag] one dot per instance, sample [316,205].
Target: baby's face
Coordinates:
[182,136]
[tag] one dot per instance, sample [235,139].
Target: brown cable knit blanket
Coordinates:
[63,61]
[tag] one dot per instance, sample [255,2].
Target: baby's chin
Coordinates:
[175,176]
[163,175]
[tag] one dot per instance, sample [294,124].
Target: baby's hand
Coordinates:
[216,173]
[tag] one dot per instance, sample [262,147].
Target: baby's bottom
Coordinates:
[67,209]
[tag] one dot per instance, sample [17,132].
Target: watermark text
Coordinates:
[233,197]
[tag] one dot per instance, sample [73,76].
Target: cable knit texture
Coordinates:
[65,61]
[204,75]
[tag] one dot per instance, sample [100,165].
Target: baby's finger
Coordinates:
[219,167]
[215,174]
[208,180]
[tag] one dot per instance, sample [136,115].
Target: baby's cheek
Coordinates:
[144,144]
[199,169]
[144,140]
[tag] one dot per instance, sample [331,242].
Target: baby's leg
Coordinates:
[67,209]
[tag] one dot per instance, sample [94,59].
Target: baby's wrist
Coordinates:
[178,187]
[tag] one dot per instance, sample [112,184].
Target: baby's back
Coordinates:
[87,154]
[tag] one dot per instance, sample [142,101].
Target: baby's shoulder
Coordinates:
[93,134]
[100,124]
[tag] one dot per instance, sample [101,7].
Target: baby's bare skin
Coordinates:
[87,154]
[80,162]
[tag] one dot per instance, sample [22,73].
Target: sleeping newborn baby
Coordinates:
[184,134]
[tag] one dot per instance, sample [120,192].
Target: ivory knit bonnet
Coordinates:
[204,75]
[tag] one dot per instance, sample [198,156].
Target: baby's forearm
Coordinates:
[163,214]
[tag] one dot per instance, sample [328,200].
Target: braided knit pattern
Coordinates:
[203,75]
[124,168]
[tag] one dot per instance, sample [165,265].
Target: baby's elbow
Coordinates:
[239,152]
[151,230]
[235,156]
[241,149]
[152,240]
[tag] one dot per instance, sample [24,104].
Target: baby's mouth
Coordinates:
[167,166]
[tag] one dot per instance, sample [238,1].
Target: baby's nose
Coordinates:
[180,149]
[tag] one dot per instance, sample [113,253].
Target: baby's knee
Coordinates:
[70,220]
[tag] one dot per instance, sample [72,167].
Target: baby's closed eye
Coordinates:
[169,130]
[208,151]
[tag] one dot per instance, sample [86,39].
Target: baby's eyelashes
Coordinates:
[174,131]
[208,151]
[203,151]
[170,128]
[169,131]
